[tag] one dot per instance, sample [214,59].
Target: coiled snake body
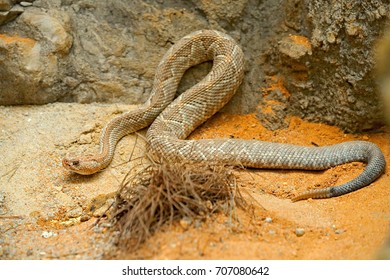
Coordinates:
[172,121]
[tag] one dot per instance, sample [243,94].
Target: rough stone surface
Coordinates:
[9,11]
[383,71]
[6,5]
[336,83]
[9,15]
[313,60]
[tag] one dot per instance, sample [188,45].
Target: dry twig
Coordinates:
[165,192]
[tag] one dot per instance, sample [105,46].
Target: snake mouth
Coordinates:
[66,163]
[70,164]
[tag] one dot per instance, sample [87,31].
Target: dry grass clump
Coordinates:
[165,192]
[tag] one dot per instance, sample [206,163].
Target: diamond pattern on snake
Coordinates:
[172,120]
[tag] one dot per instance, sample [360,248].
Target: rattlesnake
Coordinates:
[172,121]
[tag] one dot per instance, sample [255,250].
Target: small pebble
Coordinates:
[75,212]
[268,220]
[84,218]
[100,212]
[70,222]
[197,223]
[85,139]
[185,222]
[106,225]
[339,231]
[299,232]
[47,234]
[25,4]
[271,232]
[97,229]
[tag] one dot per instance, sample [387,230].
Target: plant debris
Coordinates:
[163,192]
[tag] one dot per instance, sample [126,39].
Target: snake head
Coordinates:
[84,166]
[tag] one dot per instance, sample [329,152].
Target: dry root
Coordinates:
[165,192]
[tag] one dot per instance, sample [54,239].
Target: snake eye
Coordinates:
[75,162]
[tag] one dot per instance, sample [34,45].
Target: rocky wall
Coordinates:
[313,58]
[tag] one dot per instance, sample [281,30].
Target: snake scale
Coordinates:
[171,121]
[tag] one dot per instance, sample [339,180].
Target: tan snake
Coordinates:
[172,121]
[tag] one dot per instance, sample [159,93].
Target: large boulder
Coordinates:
[314,59]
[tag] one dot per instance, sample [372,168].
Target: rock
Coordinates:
[21,68]
[85,139]
[29,67]
[9,11]
[268,220]
[51,29]
[6,5]
[295,46]
[197,223]
[74,213]
[271,232]
[185,222]
[100,212]
[382,71]
[48,234]
[107,51]
[10,15]
[299,232]
[25,4]
[85,218]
